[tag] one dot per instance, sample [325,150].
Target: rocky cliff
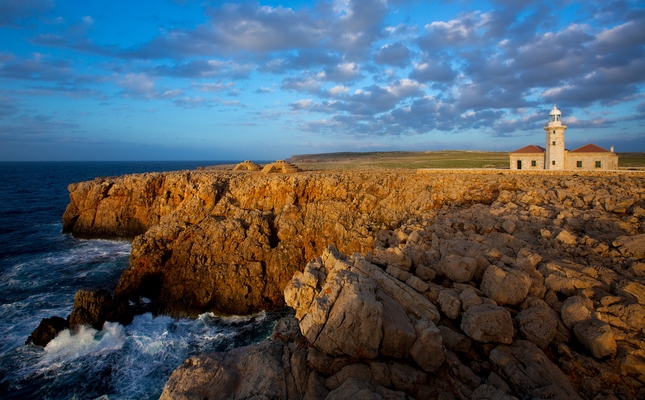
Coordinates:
[230,242]
[538,293]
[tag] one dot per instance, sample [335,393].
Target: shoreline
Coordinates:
[255,220]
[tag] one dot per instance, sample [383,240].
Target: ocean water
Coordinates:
[41,270]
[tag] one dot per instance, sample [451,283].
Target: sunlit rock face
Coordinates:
[231,241]
[473,285]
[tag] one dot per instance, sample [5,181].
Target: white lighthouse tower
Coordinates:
[554,158]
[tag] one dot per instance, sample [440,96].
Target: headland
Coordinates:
[405,284]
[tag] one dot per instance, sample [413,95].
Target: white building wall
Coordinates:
[608,161]
[527,160]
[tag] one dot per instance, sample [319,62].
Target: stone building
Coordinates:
[280,166]
[247,165]
[556,157]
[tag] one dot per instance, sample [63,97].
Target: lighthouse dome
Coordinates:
[555,115]
[555,111]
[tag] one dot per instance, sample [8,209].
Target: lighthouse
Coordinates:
[554,157]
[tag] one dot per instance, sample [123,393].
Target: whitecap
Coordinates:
[68,346]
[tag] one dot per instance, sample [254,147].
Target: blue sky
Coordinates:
[214,80]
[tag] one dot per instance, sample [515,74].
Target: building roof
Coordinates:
[530,149]
[590,148]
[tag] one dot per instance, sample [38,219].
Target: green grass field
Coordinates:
[431,159]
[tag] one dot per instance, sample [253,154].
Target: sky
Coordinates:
[215,80]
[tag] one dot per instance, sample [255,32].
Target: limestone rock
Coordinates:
[487,323]
[417,284]
[509,226]
[529,371]
[538,324]
[631,246]
[596,336]
[412,301]
[94,307]
[240,373]
[427,350]
[574,311]
[398,330]
[458,268]
[47,330]
[487,392]
[632,315]
[231,242]
[450,304]
[505,286]
[398,273]
[355,389]
[632,290]
[453,340]
[393,256]
[299,295]
[424,273]
[565,237]
[349,324]
[469,298]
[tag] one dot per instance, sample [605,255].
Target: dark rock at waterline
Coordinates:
[94,307]
[47,330]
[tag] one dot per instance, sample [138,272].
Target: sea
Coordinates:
[40,271]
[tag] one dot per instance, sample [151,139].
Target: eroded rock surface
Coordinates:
[444,285]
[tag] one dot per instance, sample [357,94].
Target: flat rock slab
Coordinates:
[530,372]
[488,323]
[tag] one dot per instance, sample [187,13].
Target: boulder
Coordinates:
[505,286]
[298,294]
[345,317]
[94,307]
[413,302]
[567,238]
[596,336]
[538,324]
[574,310]
[631,246]
[487,392]
[469,298]
[488,323]
[47,330]
[427,350]
[530,373]
[417,284]
[631,314]
[509,226]
[398,330]
[240,373]
[450,304]
[458,268]
[454,340]
[631,290]
[425,273]
[398,273]
[392,256]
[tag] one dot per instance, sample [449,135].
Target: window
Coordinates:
[533,163]
[598,164]
[554,132]
[579,164]
[553,142]
[553,162]
[519,164]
